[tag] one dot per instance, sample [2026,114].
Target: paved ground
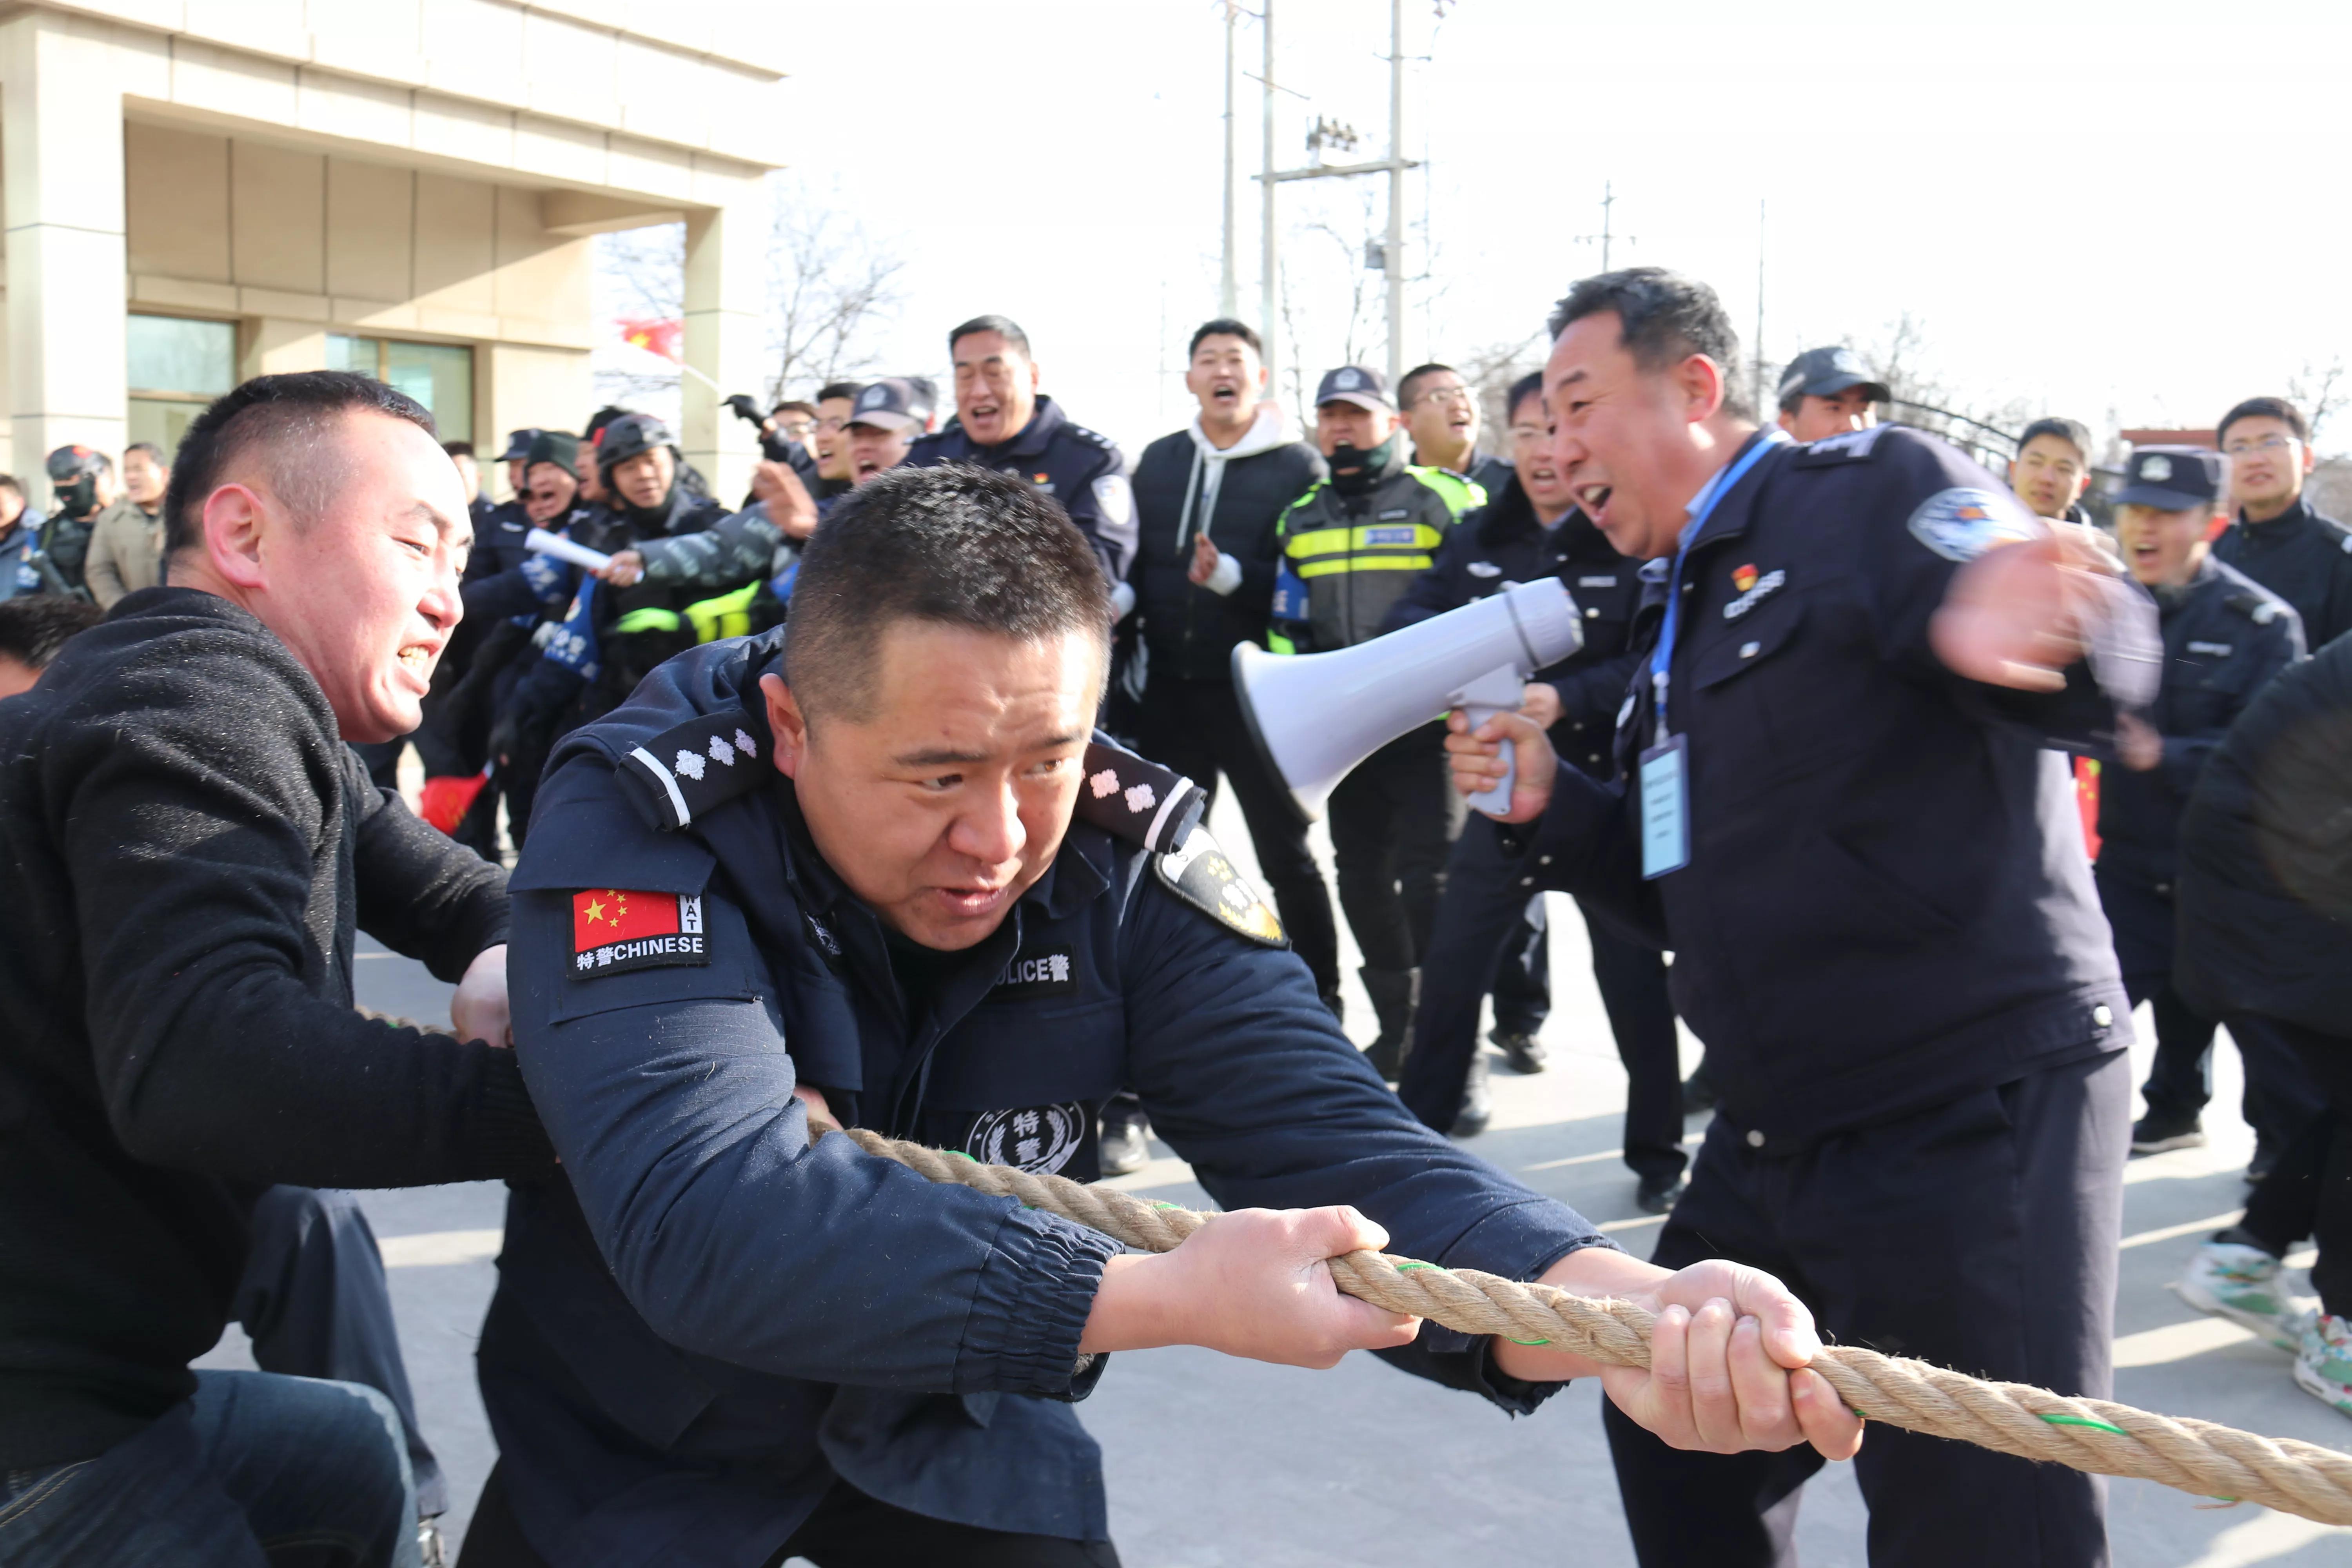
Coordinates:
[1215,1463]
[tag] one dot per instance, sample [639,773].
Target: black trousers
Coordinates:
[2280,1096]
[1979,1234]
[1393,821]
[2310,1191]
[1481,912]
[314,1302]
[1196,728]
[849,1530]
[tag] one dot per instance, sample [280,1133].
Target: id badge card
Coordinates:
[1666,807]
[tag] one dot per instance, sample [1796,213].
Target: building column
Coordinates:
[726,269]
[62,126]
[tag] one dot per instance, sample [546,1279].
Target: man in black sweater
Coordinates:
[187,846]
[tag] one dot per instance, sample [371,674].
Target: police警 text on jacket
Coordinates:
[1081,469]
[1505,543]
[726,1317]
[1886,901]
[1184,486]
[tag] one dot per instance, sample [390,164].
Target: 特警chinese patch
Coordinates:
[615,928]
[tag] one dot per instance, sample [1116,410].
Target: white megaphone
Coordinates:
[1315,716]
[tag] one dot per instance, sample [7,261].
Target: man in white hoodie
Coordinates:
[1209,500]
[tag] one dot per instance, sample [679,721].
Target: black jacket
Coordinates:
[1191,630]
[1077,467]
[1501,542]
[2266,891]
[187,848]
[1887,902]
[2224,638]
[2304,559]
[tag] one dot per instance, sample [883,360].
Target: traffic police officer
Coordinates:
[2278,540]
[1533,530]
[1351,547]
[719,1344]
[1003,422]
[2224,637]
[1840,817]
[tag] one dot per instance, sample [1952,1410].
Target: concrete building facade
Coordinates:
[198,191]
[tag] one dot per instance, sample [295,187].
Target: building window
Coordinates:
[177,366]
[438,375]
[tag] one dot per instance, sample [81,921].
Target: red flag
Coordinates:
[654,335]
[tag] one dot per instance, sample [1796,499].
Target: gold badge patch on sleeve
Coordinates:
[1198,872]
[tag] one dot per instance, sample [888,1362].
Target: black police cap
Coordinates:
[2173,479]
[1825,372]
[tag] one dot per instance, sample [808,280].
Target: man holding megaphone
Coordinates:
[1840,815]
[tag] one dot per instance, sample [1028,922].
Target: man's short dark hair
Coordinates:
[454,448]
[957,546]
[1409,387]
[157,452]
[846,391]
[1002,326]
[288,415]
[1663,319]
[34,626]
[2074,432]
[1527,387]
[13,485]
[794,406]
[1224,326]
[2277,409]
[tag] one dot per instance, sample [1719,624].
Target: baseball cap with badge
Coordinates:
[893,402]
[1355,383]
[2173,479]
[519,446]
[1825,372]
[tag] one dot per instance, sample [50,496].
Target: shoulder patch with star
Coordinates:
[614,930]
[689,771]
[1198,872]
[1963,522]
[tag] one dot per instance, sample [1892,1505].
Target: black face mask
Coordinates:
[1355,470]
[79,498]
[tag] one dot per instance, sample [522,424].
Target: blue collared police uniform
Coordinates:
[1081,469]
[715,1319]
[2225,636]
[1886,931]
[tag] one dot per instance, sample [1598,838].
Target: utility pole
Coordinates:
[1270,263]
[1229,298]
[1392,255]
[1608,200]
[1756,348]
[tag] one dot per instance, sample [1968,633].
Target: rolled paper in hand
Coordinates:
[542,543]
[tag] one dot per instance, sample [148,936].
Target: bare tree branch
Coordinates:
[2319,391]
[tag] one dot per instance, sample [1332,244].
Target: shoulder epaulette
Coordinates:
[1854,447]
[1136,800]
[692,770]
[1083,434]
[2259,608]
[1198,872]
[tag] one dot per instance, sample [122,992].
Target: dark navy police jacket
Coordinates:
[1887,903]
[1081,469]
[1501,542]
[2224,637]
[682,1360]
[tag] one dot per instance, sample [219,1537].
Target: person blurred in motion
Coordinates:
[2266,943]
[1839,813]
[469,474]
[1441,416]
[1003,423]
[2278,540]
[1826,392]
[2052,468]
[33,627]
[176,1026]
[1351,547]
[126,546]
[1209,500]
[2224,638]
[1486,922]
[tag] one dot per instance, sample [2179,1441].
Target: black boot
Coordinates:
[1393,992]
[1478,1102]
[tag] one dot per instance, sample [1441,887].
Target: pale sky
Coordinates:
[2128,214]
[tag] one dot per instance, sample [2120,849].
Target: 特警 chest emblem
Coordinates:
[1039,1138]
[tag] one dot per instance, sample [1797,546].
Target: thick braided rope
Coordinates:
[2090,1435]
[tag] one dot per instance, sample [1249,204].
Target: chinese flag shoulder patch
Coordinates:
[616,929]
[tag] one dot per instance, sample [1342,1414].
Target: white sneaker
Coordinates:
[2323,1365]
[2240,1284]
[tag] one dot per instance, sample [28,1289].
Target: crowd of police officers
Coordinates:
[1391,509]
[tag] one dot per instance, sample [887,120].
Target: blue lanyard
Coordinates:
[1701,507]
